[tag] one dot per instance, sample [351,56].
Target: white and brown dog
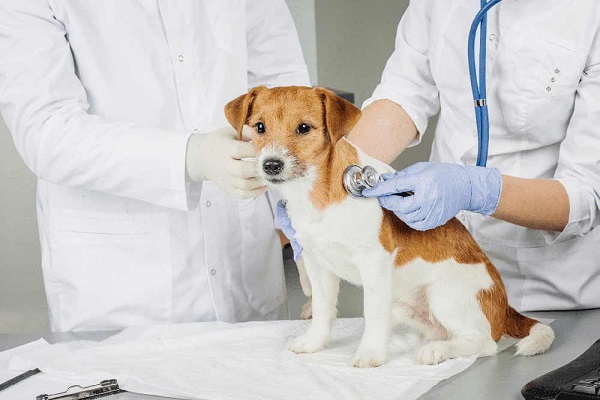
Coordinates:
[438,281]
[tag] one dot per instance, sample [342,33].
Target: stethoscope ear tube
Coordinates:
[479,88]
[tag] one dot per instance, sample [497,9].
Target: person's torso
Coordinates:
[537,51]
[111,262]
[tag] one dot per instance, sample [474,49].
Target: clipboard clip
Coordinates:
[76,392]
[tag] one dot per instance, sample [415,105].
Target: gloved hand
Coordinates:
[217,156]
[440,191]
[283,220]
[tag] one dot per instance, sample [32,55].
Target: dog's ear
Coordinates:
[238,111]
[340,115]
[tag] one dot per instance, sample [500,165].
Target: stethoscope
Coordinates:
[479,88]
[356,179]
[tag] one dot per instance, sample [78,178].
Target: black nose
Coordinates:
[273,166]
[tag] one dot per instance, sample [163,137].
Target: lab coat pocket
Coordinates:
[546,73]
[262,262]
[563,276]
[545,68]
[110,270]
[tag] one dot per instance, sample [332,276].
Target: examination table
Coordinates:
[499,377]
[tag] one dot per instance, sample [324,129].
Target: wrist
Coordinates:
[486,187]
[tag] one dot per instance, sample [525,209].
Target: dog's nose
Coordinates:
[273,166]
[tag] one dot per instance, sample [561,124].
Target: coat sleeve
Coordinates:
[579,159]
[47,112]
[274,53]
[407,78]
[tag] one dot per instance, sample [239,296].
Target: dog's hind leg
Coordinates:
[459,312]
[325,288]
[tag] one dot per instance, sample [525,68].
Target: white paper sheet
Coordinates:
[241,361]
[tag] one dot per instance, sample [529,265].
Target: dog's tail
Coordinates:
[535,337]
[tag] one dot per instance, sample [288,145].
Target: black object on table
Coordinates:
[18,378]
[579,379]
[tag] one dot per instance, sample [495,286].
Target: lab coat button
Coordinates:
[208,203]
[213,272]
[180,58]
[492,37]
[196,130]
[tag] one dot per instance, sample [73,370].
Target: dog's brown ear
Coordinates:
[238,111]
[340,114]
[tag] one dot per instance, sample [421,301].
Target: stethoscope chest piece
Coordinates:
[356,179]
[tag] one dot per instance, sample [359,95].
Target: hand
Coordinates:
[283,220]
[440,191]
[218,156]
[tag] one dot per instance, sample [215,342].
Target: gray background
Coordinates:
[346,44]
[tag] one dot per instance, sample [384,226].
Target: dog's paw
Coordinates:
[369,358]
[307,344]
[306,312]
[433,353]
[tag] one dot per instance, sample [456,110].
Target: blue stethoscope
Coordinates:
[479,88]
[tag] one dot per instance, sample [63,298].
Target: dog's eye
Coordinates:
[303,129]
[260,127]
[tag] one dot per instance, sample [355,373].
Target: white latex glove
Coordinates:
[229,163]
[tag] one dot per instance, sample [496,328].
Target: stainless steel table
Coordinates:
[493,378]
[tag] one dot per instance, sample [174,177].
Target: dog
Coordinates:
[438,281]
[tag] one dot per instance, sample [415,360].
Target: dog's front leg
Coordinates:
[377,284]
[325,288]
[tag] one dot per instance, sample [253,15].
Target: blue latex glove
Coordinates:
[440,192]
[284,222]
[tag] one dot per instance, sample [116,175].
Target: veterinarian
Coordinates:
[536,207]
[108,105]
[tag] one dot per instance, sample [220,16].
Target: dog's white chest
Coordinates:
[340,236]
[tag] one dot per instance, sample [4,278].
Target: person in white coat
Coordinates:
[544,103]
[108,102]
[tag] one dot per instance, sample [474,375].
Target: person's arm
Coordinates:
[533,203]
[578,167]
[46,109]
[568,205]
[384,130]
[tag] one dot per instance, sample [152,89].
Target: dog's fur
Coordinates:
[438,281]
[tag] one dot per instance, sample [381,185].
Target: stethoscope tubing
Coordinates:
[478,86]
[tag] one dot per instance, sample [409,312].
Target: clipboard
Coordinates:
[103,389]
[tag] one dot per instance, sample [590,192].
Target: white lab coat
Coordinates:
[101,97]
[544,101]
